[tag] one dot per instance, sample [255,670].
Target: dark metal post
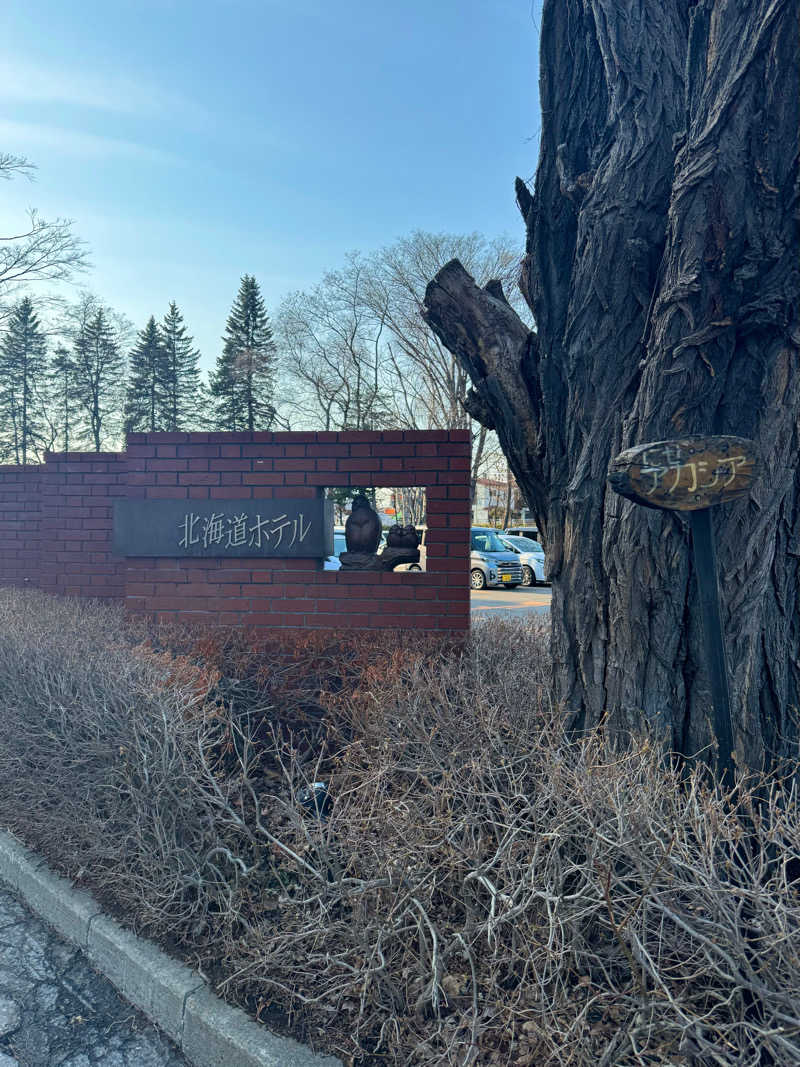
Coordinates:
[705,560]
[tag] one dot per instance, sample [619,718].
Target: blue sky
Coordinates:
[193,141]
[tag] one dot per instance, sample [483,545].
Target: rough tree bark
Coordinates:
[662,271]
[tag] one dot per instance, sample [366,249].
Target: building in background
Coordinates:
[498,502]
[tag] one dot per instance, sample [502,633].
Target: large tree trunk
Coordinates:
[662,271]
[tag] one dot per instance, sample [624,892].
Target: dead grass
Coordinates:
[479,890]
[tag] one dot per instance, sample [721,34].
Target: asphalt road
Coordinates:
[519,601]
[56,1011]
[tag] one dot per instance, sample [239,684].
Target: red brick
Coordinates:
[230,465]
[167,465]
[198,478]
[346,578]
[396,451]
[454,564]
[291,464]
[198,452]
[390,479]
[235,570]
[261,577]
[226,437]
[428,463]
[355,437]
[459,463]
[262,617]
[328,451]
[296,492]
[230,604]
[284,618]
[164,438]
[294,437]
[337,621]
[166,492]
[262,478]
[229,492]
[365,464]
[423,436]
[263,451]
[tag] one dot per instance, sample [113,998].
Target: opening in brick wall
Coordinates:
[394,506]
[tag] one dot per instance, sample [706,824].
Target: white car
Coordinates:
[531,556]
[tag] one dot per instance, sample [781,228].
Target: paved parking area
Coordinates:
[519,601]
[56,1011]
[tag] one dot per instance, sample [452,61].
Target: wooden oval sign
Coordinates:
[688,474]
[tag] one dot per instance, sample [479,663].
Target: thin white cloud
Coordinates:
[30,83]
[27,137]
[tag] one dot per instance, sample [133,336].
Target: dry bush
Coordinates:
[484,892]
[106,758]
[479,890]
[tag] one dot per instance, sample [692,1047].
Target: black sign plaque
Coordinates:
[272,529]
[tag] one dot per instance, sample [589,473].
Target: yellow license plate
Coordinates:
[507,577]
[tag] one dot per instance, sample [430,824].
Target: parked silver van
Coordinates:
[491,564]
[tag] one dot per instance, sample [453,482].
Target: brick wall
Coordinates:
[19,525]
[77,493]
[60,516]
[277,593]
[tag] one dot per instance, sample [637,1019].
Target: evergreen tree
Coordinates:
[243,383]
[62,397]
[146,396]
[99,366]
[23,372]
[184,395]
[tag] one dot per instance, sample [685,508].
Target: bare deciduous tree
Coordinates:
[335,363]
[38,251]
[433,382]
[359,355]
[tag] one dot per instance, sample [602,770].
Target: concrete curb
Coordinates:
[209,1032]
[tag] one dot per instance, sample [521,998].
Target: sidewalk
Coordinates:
[56,1010]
